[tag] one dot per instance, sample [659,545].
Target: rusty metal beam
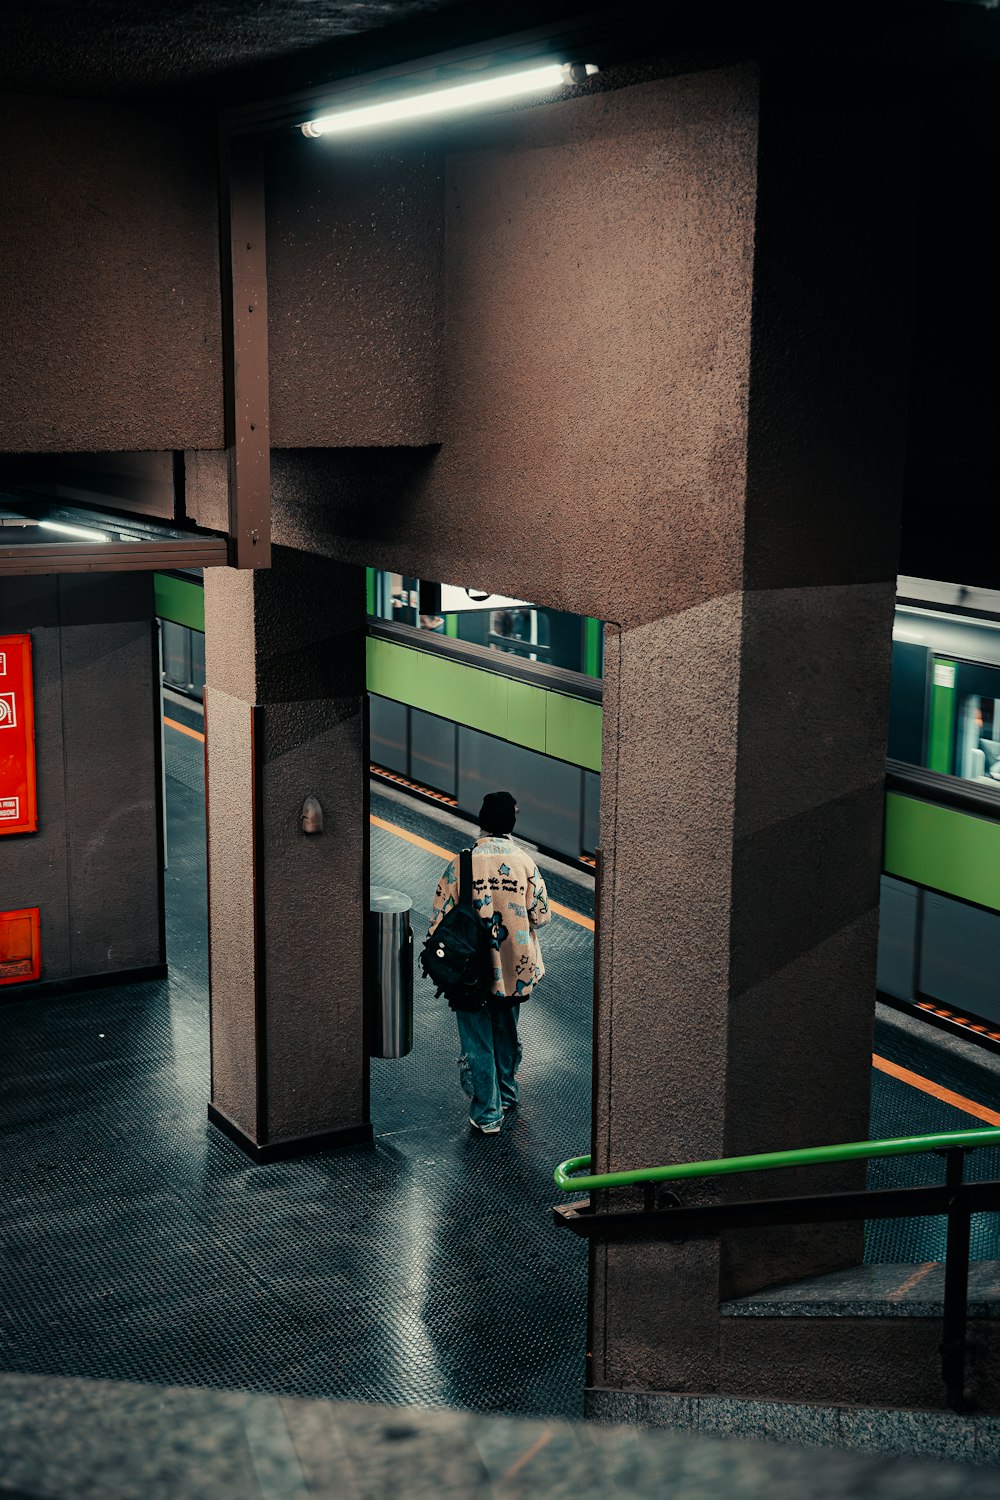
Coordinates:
[244,307]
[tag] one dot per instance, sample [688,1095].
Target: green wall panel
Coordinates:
[551,723]
[179,601]
[949,851]
[573,730]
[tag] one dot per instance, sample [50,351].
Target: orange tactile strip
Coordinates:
[195,734]
[442,853]
[947,1096]
[957,1020]
[411,786]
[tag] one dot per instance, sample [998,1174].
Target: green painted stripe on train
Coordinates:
[573,730]
[941,730]
[950,851]
[179,601]
[552,723]
[370,589]
[592,647]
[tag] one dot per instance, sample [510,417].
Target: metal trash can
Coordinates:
[390,974]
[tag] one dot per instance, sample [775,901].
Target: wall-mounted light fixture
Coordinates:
[456,97]
[312,815]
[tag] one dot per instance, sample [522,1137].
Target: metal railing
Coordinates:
[956,1199]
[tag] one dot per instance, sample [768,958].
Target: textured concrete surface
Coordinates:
[891,1431]
[124,46]
[619,438]
[112,796]
[877,1291]
[92,867]
[595,357]
[206,488]
[233,936]
[355,241]
[164,1444]
[813,663]
[111,251]
[774,1101]
[285,720]
[316,906]
[875,1361]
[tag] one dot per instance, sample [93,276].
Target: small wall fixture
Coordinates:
[312,816]
[483,91]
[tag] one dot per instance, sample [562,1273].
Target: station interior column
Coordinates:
[285,720]
[744,747]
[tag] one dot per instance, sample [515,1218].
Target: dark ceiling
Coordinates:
[116,48]
[218,52]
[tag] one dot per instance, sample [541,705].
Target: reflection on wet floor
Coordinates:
[141,1245]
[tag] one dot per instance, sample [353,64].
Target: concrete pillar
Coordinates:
[744,754]
[284,721]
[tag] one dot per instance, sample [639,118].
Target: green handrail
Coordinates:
[807,1156]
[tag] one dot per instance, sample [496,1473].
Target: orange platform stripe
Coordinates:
[195,734]
[414,838]
[947,1096]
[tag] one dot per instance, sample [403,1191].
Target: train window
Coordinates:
[514,626]
[525,632]
[977,749]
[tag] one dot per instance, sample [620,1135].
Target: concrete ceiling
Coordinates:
[219,52]
[109,48]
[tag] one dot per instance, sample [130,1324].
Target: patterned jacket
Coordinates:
[509,893]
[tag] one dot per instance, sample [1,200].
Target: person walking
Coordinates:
[509,895]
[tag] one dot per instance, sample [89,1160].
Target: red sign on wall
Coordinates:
[18,808]
[20,945]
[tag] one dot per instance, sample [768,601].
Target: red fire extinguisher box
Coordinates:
[20,945]
[18,806]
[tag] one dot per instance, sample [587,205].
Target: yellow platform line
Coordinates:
[194,734]
[414,838]
[947,1096]
[893,1070]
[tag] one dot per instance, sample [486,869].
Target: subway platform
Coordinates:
[141,1245]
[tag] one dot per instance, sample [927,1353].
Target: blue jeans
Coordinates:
[491,1056]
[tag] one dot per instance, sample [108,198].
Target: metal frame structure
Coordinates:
[152,545]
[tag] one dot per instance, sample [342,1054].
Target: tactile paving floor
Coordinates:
[139,1244]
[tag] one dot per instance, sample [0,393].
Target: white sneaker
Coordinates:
[484,1129]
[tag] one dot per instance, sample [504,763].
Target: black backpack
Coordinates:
[453,957]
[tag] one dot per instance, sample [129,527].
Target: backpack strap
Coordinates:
[465,879]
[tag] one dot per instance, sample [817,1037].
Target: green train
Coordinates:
[499,692]
[939,931]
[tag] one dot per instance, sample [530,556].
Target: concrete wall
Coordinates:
[94,866]
[354,290]
[594,362]
[109,279]
[671,397]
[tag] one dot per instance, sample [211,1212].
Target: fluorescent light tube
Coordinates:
[80,531]
[449,100]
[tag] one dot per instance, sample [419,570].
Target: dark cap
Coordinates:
[498,812]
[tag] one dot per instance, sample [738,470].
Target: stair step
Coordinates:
[872,1291]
